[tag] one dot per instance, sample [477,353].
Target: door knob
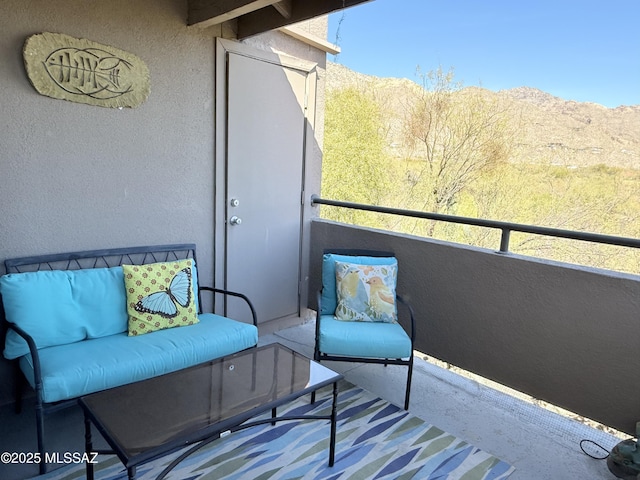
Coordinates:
[235,220]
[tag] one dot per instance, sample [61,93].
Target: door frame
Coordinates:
[223,48]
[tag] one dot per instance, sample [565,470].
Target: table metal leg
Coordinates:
[88,446]
[332,440]
[131,471]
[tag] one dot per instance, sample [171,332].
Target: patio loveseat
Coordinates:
[82,322]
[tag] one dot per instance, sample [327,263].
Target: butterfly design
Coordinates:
[163,303]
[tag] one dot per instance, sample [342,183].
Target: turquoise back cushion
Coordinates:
[329,297]
[59,307]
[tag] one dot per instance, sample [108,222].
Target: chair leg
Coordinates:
[40,432]
[20,382]
[408,391]
[316,357]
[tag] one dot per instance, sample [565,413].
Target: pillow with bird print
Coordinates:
[366,293]
[159,296]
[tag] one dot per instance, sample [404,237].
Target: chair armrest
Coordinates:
[234,294]
[406,303]
[33,350]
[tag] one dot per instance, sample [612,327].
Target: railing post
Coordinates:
[504,240]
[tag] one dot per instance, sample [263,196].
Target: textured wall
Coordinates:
[568,335]
[78,177]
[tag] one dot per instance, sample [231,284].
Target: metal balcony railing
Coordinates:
[505,227]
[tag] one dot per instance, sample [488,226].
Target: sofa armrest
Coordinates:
[234,294]
[33,350]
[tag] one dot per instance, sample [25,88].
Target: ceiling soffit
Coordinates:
[258,16]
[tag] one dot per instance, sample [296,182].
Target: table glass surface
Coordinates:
[144,415]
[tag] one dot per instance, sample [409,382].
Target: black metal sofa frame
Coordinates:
[105,258]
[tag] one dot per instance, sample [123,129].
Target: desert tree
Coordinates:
[452,136]
[355,167]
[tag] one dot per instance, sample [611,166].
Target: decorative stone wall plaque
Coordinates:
[82,71]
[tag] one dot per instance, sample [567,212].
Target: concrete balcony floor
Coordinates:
[539,443]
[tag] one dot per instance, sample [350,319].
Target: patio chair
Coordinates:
[357,316]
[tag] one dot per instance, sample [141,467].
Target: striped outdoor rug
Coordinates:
[375,440]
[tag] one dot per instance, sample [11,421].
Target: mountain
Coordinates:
[551,129]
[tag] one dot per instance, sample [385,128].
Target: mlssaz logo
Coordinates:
[70,457]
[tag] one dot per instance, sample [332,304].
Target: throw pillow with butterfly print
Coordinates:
[159,296]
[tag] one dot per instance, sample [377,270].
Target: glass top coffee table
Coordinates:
[146,420]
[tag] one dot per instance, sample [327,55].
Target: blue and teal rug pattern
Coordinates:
[375,440]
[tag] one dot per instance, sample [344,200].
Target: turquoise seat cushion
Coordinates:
[363,339]
[59,307]
[329,301]
[73,370]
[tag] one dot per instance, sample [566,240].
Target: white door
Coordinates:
[264,170]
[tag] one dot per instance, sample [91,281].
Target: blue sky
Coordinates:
[583,50]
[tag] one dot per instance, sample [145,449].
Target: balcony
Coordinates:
[539,443]
[561,333]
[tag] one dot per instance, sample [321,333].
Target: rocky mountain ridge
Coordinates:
[550,129]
